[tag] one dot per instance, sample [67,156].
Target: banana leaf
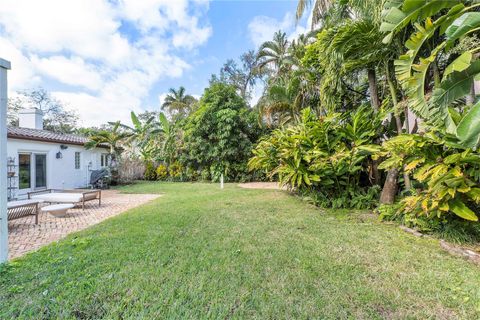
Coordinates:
[455,87]
[412,10]
[462,25]
[468,130]
[459,64]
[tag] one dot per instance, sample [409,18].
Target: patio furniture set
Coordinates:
[59,202]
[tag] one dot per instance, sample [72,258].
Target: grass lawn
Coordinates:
[199,252]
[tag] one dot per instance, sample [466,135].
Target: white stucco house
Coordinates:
[40,159]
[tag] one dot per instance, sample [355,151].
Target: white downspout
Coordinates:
[4,66]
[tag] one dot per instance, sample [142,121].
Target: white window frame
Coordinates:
[104,160]
[33,170]
[79,160]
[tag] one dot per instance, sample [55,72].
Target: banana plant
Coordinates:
[168,145]
[453,21]
[141,134]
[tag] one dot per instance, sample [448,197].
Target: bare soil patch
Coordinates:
[262,185]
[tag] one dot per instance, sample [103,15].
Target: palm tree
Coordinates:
[291,88]
[298,46]
[285,97]
[113,139]
[275,54]
[178,103]
[332,12]
[278,106]
[141,135]
[319,9]
[351,42]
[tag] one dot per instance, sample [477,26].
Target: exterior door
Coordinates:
[40,171]
[32,171]
[25,171]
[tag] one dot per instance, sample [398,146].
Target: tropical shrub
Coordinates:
[175,171]
[326,157]
[220,134]
[162,172]
[352,198]
[150,173]
[191,174]
[448,178]
[205,174]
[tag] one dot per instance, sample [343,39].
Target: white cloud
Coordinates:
[86,27]
[73,71]
[262,28]
[84,43]
[22,74]
[192,36]
[96,110]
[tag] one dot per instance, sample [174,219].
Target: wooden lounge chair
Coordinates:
[23,208]
[67,196]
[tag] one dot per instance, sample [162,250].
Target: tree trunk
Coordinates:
[390,187]
[377,177]
[372,87]
[406,178]
[398,121]
[407,122]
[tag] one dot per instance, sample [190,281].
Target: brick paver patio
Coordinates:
[25,235]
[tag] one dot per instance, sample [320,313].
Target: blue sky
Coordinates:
[104,58]
[230,38]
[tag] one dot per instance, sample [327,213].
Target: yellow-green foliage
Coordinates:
[150,173]
[448,176]
[175,170]
[328,154]
[162,172]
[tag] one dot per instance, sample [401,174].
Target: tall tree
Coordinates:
[291,88]
[243,76]
[331,12]
[112,138]
[178,103]
[56,117]
[141,135]
[275,54]
[219,135]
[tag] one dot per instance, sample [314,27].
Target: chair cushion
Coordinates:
[59,197]
[12,204]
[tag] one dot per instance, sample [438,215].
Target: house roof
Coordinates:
[45,136]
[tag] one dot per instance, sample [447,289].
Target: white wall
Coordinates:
[4,66]
[61,173]
[30,118]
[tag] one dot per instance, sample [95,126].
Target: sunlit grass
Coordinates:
[201,252]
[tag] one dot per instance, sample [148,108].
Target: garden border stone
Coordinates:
[452,249]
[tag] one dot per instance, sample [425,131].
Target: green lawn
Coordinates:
[199,252]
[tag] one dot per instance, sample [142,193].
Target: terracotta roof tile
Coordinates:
[45,136]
